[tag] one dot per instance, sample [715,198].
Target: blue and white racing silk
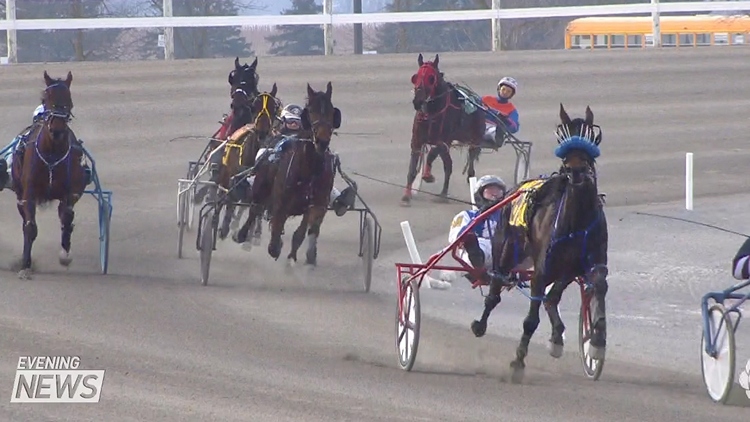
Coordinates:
[484,232]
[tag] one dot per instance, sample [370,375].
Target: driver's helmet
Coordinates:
[291,117]
[38,111]
[484,196]
[509,82]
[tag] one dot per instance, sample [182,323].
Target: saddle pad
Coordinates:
[520,205]
[240,133]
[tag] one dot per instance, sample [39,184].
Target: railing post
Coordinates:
[657,24]
[10,16]
[497,33]
[328,28]
[168,32]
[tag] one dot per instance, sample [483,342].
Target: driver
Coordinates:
[478,244]
[501,107]
[741,262]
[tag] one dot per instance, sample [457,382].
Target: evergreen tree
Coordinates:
[206,42]
[298,40]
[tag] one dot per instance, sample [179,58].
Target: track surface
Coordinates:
[265,343]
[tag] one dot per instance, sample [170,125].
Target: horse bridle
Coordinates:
[264,111]
[592,133]
[61,112]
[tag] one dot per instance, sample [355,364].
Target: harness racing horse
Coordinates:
[439,120]
[299,179]
[242,146]
[559,224]
[243,82]
[49,168]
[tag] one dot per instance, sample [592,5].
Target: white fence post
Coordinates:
[497,33]
[657,24]
[328,27]
[689,181]
[10,16]
[168,32]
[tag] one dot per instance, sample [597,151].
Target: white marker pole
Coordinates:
[689,181]
[472,188]
[411,245]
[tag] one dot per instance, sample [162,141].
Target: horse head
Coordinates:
[578,147]
[428,83]
[266,108]
[320,117]
[243,80]
[58,106]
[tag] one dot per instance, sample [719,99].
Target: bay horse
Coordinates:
[242,146]
[559,224]
[439,120]
[243,81]
[49,168]
[299,179]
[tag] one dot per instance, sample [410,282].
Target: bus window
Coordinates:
[668,40]
[649,40]
[686,40]
[702,39]
[618,41]
[738,38]
[634,41]
[600,41]
[721,38]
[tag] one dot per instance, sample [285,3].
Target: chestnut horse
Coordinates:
[298,179]
[560,225]
[49,168]
[242,146]
[439,120]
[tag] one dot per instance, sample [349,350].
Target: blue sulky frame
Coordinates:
[719,388]
[103,198]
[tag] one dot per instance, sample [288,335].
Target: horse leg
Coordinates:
[431,156]
[66,214]
[479,328]
[445,155]
[277,227]
[473,158]
[530,324]
[228,215]
[299,236]
[552,306]
[411,175]
[316,220]
[598,279]
[27,209]
[253,211]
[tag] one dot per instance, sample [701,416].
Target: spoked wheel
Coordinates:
[408,319]
[208,238]
[522,165]
[718,370]
[367,252]
[591,367]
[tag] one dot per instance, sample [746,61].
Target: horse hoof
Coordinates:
[65,258]
[478,328]
[239,238]
[428,179]
[596,353]
[274,250]
[25,274]
[405,201]
[246,246]
[518,371]
[555,350]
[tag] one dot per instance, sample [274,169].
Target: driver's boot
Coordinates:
[343,200]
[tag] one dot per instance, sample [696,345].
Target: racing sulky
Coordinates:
[297,178]
[47,167]
[560,226]
[439,120]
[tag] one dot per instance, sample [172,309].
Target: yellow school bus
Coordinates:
[676,31]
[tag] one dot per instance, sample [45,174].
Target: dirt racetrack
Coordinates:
[265,343]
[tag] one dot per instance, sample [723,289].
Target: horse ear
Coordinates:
[47,79]
[437,60]
[589,116]
[273,90]
[305,119]
[336,118]
[310,91]
[69,80]
[237,62]
[255,63]
[420,60]
[564,118]
[329,90]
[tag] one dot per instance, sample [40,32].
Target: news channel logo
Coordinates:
[55,379]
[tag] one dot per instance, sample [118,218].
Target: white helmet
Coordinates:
[509,82]
[482,183]
[291,112]
[38,110]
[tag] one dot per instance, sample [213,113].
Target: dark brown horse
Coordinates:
[299,179]
[560,225]
[440,119]
[49,168]
[242,146]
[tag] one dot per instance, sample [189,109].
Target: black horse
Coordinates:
[559,224]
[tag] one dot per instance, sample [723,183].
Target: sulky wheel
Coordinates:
[522,166]
[105,218]
[591,367]
[207,228]
[190,194]
[182,219]
[718,370]
[408,318]
[368,251]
